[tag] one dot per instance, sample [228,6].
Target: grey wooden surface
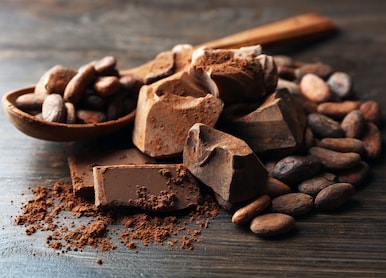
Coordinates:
[35,35]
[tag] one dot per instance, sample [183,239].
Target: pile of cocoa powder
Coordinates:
[47,212]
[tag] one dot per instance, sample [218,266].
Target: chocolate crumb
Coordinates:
[99,261]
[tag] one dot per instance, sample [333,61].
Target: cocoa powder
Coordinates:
[46,212]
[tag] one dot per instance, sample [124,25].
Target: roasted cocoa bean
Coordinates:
[353,124]
[337,110]
[272,224]
[294,204]
[371,111]
[315,184]
[78,84]
[105,66]
[372,141]
[356,175]
[90,116]
[314,88]
[323,126]
[319,69]
[335,160]
[53,109]
[334,196]
[30,102]
[292,87]
[245,214]
[295,168]
[58,78]
[274,188]
[70,113]
[343,145]
[340,84]
[106,86]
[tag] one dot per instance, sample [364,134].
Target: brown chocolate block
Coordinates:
[151,187]
[276,127]
[167,109]
[224,163]
[81,167]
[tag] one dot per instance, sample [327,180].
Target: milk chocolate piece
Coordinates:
[276,127]
[151,187]
[81,167]
[224,163]
[167,109]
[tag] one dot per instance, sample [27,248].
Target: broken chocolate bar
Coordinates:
[81,167]
[224,163]
[167,109]
[276,127]
[150,187]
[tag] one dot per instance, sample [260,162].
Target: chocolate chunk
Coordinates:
[162,66]
[239,75]
[167,109]
[81,167]
[276,127]
[224,163]
[151,187]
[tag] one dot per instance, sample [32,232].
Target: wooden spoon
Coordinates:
[285,31]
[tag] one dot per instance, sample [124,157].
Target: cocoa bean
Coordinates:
[30,102]
[58,78]
[372,141]
[272,224]
[106,86]
[295,168]
[337,110]
[313,185]
[343,145]
[334,196]
[78,84]
[319,69]
[371,111]
[323,126]
[314,88]
[274,188]
[356,175]
[70,113]
[245,214]
[294,204]
[53,109]
[106,65]
[353,124]
[335,160]
[90,116]
[340,84]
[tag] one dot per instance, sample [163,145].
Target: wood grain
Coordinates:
[35,35]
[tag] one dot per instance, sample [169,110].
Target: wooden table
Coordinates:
[35,35]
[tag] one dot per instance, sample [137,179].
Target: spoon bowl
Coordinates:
[61,132]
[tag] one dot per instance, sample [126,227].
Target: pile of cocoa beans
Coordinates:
[341,138]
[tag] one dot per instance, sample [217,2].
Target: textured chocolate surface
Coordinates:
[81,167]
[151,187]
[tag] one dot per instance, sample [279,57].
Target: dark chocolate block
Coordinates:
[151,187]
[81,167]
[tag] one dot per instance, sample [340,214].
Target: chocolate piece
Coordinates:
[81,167]
[167,109]
[151,187]
[224,163]
[162,66]
[276,127]
[238,75]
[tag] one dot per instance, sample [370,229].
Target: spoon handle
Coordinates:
[289,30]
[284,31]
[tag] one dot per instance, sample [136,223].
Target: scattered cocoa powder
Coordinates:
[47,212]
